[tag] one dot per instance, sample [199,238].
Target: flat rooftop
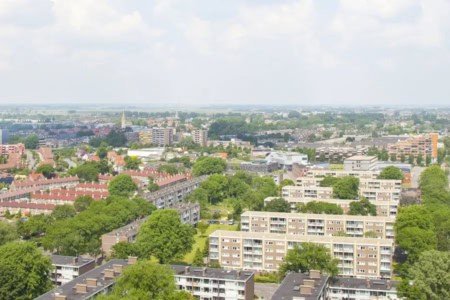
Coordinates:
[365,284]
[290,287]
[212,273]
[61,260]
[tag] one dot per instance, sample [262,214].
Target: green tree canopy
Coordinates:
[165,237]
[31,141]
[309,256]
[362,207]
[47,170]
[132,162]
[391,172]
[208,165]
[146,280]
[278,205]
[414,241]
[328,181]
[346,188]
[24,271]
[8,233]
[428,278]
[63,212]
[82,203]
[318,207]
[122,185]
[168,168]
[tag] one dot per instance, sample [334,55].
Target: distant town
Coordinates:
[241,203]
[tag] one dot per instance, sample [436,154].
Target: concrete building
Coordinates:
[285,159]
[3,136]
[147,153]
[316,286]
[425,145]
[162,136]
[338,154]
[259,166]
[6,149]
[67,268]
[387,208]
[91,284]
[320,173]
[317,224]
[172,195]
[189,212]
[360,163]
[313,192]
[357,257]
[209,283]
[127,233]
[200,136]
[310,286]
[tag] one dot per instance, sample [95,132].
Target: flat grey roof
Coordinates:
[289,288]
[366,284]
[212,273]
[70,260]
[68,289]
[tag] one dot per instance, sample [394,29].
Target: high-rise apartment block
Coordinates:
[161,136]
[357,257]
[200,136]
[318,224]
[424,145]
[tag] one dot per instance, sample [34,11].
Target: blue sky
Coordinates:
[348,52]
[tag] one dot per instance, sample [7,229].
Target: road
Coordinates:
[415,176]
[31,162]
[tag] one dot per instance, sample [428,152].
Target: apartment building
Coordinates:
[312,192]
[358,257]
[360,163]
[384,208]
[169,196]
[161,136]
[61,182]
[91,284]
[286,159]
[339,153]
[200,136]
[259,166]
[127,234]
[6,149]
[317,224]
[67,268]
[320,173]
[425,145]
[189,212]
[209,283]
[316,286]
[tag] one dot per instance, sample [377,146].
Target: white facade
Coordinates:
[287,159]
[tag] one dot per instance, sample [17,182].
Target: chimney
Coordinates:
[132,260]
[91,282]
[203,271]
[117,268]
[59,297]
[80,288]
[74,260]
[368,283]
[305,290]
[388,284]
[314,274]
[186,270]
[309,282]
[108,273]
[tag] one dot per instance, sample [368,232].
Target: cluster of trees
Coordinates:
[423,236]
[241,189]
[90,170]
[208,165]
[114,139]
[391,172]
[68,233]
[343,187]
[162,236]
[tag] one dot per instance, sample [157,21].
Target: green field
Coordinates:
[200,240]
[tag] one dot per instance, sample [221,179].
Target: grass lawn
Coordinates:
[199,241]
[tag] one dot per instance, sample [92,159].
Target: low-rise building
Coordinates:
[67,268]
[317,224]
[285,159]
[189,212]
[259,166]
[360,163]
[127,233]
[209,283]
[307,286]
[357,257]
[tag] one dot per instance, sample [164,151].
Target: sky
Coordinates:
[219,52]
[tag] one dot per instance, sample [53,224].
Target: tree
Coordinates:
[393,157]
[383,155]
[31,141]
[146,280]
[34,227]
[132,162]
[286,182]
[168,168]
[165,237]
[419,159]
[346,187]
[402,158]
[414,240]
[328,181]
[47,170]
[411,159]
[82,203]
[362,207]
[116,138]
[309,256]
[428,160]
[278,205]
[198,259]
[122,185]
[102,152]
[428,278]
[216,186]
[152,186]
[202,227]
[24,271]
[8,233]
[391,172]
[63,212]
[317,207]
[123,250]
[208,165]
[86,172]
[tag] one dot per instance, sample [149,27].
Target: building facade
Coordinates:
[317,224]
[67,268]
[357,257]
[200,136]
